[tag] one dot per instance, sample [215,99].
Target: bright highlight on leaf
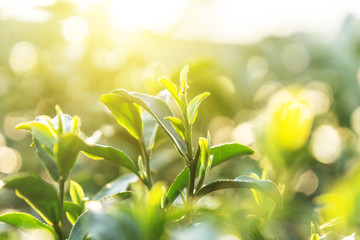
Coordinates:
[76,192]
[126,113]
[194,106]
[27,223]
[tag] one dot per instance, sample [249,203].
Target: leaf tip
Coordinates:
[23,126]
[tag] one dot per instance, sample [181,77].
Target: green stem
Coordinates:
[200,182]
[61,209]
[192,173]
[146,157]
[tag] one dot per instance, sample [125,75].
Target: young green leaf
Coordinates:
[220,154]
[42,132]
[226,151]
[26,222]
[313,231]
[66,151]
[178,126]
[40,195]
[150,127]
[119,185]
[194,106]
[159,110]
[76,123]
[126,113]
[204,152]
[47,160]
[73,211]
[170,86]
[264,186]
[315,237]
[183,80]
[60,127]
[180,182]
[65,122]
[76,192]
[111,154]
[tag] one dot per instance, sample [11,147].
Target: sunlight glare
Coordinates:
[94,206]
[326,144]
[23,57]
[10,160]
[75,29]
[136,15]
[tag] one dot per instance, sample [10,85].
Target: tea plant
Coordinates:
[144,213]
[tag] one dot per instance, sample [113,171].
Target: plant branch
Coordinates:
[192,172]
[61,208]
[146,157]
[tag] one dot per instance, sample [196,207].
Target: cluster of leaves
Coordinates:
[58,142]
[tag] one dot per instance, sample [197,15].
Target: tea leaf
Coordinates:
[315,236]
[194,106]
[226,151]
[66,151]
[40,195]
[183,80]
[26,222]
[126,113]
[73,211]
[180,182]
[264,186]
[150,125]
[159,110]
[170,86]
[220,154]
[119,185]
[111,154]
[47,160]
[76,192]
[178,126]
[113,226]
[43,133]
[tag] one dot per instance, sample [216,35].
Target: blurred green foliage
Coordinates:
[320,180]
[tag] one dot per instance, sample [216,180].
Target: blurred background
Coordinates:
[253,56]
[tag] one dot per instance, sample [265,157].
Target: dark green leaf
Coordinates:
[180,182]
[111,154]
[264,186]
[80,228]
[126,113]
[26,222]
[221,153]
[76,192]
[226,151]
[47,160]
[119,185]
[66,151]
[106,226]
[39,194]
[159,110]
[194,106]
